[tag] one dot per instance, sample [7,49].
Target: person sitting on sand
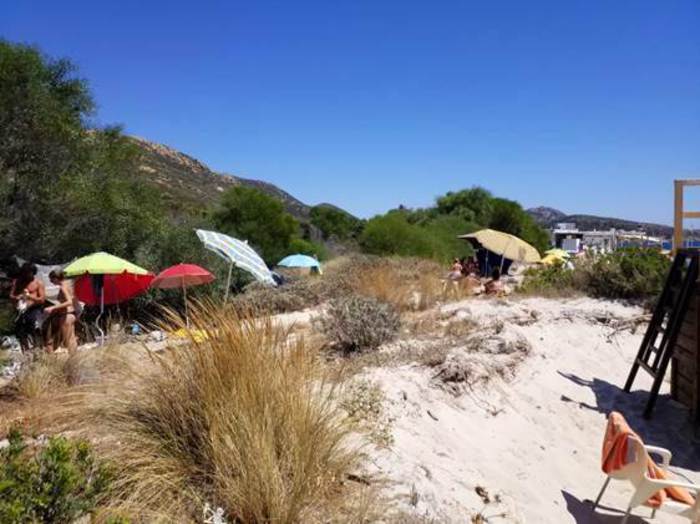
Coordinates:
[470,266]
[28,295]
[495,285]
[63,317]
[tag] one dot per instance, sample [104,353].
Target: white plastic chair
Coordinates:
[636,472]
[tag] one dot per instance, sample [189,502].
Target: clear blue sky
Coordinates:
[587,106]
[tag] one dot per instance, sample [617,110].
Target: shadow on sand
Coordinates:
[669,426]
[583,513]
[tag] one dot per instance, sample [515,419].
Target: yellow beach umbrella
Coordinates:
[558,253]
[102,264]
[552,259]
[504,244]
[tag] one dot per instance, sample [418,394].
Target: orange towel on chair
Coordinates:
[615,457]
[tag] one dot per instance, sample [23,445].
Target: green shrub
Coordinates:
[631,273]
[307,247]
[431,237]
[251,214]
[392,234]
[553,280]
[334,222]
[58,482]
[355,323]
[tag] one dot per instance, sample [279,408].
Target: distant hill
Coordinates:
[190,185]
[549,217]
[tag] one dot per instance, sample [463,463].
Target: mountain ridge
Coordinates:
[188,184]
[548,217]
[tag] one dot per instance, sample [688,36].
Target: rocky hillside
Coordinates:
[548,217]
[189,185]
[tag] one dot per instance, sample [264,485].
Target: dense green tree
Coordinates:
[65,188]
[432,232]
[392,234]
[250,214]
[443,231]
[334,222]
[473,205]
[436,238]
[510,217]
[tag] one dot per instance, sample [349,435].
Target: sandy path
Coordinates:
[534,441]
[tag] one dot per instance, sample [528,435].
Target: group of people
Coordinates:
[41,322]
[468,269]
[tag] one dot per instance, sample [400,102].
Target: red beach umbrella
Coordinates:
[117,288]
[182,276]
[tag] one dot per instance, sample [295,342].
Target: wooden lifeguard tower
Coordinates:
[673,334]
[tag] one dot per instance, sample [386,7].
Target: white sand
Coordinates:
[533,440]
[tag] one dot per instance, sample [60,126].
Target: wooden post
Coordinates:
[695,407]
[677,215]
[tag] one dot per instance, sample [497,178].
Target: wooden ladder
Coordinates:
[665,321]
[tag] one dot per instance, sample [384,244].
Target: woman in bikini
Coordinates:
[62,315]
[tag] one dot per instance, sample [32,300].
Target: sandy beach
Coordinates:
[531,441]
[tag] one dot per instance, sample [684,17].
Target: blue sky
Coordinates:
[587,106]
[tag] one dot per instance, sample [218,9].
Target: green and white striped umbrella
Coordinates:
[237,252]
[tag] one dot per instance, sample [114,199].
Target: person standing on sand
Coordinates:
[456,271]
[63,315]
[28,295]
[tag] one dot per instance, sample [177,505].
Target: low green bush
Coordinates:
[355,322]
[553,280]
[307,247]
[631,274]
[57,482]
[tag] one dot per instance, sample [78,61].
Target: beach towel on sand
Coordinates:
[616,454]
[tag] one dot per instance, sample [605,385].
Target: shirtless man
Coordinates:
[29,295]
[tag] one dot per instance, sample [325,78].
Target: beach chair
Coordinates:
[652,487]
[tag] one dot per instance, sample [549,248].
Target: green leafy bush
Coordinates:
[355,323]
[307,247]
[396,233]
[631,273]
[392,234]
[334,222]
[554,280]
[432,232]
[250,214]
[58,482]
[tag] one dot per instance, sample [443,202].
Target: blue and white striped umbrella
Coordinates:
[237,252]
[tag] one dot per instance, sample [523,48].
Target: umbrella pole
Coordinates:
[228,282]
[503,256]
[102,310]
[184,294]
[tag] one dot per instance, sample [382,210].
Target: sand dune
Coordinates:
[531,440]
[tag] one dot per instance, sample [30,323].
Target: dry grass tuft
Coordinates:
[407,284]
[36,379]
[47,374]
[239,418]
